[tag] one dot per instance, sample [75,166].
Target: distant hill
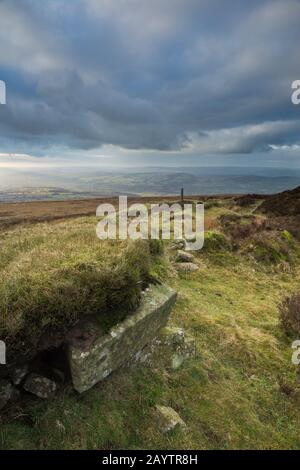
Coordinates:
[286,203]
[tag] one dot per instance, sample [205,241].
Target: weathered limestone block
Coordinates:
[168,419]
[93,356]
[187,267]
[184,257]
[40,386]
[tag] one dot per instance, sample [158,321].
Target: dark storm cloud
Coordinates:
[201,76]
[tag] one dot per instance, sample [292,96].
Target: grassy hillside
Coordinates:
[286,203]
[242,391]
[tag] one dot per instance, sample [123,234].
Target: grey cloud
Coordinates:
[151,75]
[246,139]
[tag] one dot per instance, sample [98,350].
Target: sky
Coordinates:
[141,82]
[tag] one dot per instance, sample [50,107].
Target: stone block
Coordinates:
[94,355]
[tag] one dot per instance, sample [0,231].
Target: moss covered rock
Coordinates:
[94,356]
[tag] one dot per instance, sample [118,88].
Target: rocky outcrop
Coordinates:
[94,355]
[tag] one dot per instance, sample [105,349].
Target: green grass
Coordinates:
[231,396]
[215,242]
[51,274]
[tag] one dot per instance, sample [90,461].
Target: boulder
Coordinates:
[178,244]
[6,391]
[184,257]
[187,267]
[94,358]
[40,386]
[168,419]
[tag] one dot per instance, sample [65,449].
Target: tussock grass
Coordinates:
[52,274]
[215,241]
[290,314]
[272,247]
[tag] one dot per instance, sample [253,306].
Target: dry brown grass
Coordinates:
[31,212]
[290,313]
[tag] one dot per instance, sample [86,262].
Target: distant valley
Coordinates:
[65,185]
